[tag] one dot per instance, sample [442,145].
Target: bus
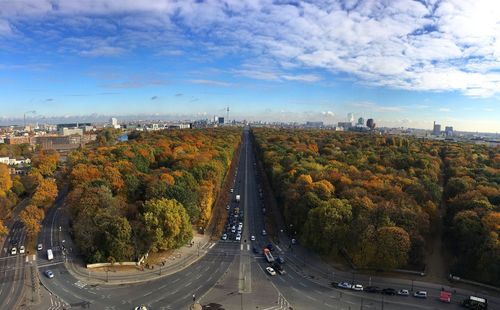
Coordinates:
[474,302]
[50,255]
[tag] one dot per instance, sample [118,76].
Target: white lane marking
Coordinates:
[211,246]
[241,247]
[279,249]
[248,247]
[290,276]
[310,297]
[188,284]
[328,305]
[302,284]
[175,280]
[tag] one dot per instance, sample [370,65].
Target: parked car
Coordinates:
[404,292]
[224,237]
[357,287]
[389,291]
[21,249]
[39,247]
[227,207]
[372,289]
[420,294]
[271,271]
[278,268]
[231,190]
[49,274]
[281,260]
[252,238]
[141,308]
[264,232]
[294,241]
[13,251]
[238,237]
[255,250]
[344,285]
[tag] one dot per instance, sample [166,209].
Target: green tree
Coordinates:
[167,224]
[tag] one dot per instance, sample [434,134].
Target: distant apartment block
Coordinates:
[17,140]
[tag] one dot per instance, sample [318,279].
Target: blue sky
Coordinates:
[404,63]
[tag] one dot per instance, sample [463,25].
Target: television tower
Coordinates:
[227,115]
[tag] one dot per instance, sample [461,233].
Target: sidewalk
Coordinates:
[180,259]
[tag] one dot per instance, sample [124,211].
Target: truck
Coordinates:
[474,302]
[238,198]
[268,255]
[50,255]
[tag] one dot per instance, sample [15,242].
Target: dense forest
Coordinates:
[377,199]
[143,195]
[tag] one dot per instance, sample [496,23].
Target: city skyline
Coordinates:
[405,64]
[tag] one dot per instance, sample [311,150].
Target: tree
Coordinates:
[5,180]
[167,224]
[32,218]
[3,229]
[393,245]
[45,194]
[45,162]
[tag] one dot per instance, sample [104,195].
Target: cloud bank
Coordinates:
[425,45]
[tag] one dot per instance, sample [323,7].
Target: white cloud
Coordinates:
[211,83]
[448,45]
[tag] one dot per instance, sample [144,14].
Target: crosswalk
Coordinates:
[282,304]
[55,304]
[80,284]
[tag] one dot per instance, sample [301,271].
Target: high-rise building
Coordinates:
[361,121]
[350,117]
[436,130]
[221,120]
[448,131]
[370,123]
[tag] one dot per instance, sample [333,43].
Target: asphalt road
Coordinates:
[230,274]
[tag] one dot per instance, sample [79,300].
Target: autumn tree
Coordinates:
[45,194]
[32,218]
[167,224]
[5,180]
[3,229]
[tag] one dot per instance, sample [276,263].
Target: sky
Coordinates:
[404,63]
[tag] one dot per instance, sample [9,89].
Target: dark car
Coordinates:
[270,247]
[278,268]
[280,260]
[389,291]
[372,289]
[255,250]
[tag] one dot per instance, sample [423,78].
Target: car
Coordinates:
[389,291]
[403,292]
[227,207]
[357,287]
[231,190]
[238,237]
[294,241]
[255,250]
[279,268]
[39,247]
[420,294]
[141,308]
[271,271]
[270,247]
[14,242]
[224,237]
[372,289]
[252,237]
[264,232]
[13,251]
[239,230]
[21,249]
[233,229]
[280,259]
[49,274]
[344,285]
[264,210]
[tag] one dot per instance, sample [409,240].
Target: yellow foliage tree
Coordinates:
[32,218]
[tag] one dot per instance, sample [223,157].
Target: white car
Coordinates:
[232,190]
[252,238]
[357,287]
[141,308]
[344,285]
[39,247]
[49,274]
[13,251]
[21,249]
[420,294]
[403,292]
[264,232]
[270,271]
[224,237]
[227,207]
[238,237]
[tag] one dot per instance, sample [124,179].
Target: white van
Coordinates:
[50,255]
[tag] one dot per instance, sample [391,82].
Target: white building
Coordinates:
[114,123]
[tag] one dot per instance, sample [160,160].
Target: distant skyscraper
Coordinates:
[221,120]
[370,123]
[448,131]
[361,121]
[436,129]
[350,117]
